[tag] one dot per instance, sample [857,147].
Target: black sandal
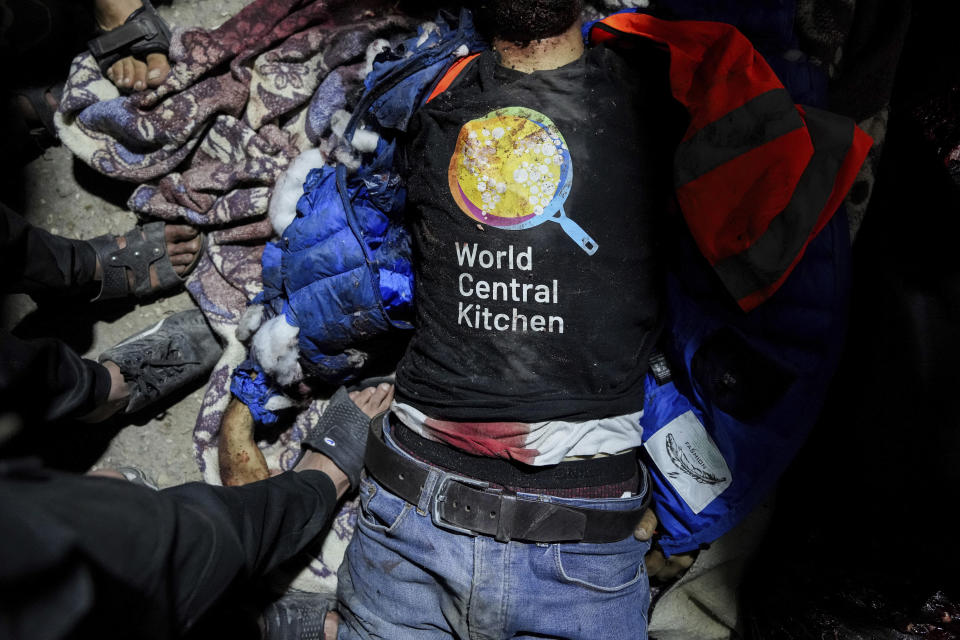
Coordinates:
[45,134]
[143,32]
[297,616]
[146,247]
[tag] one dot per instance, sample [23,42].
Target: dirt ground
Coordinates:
[67,198]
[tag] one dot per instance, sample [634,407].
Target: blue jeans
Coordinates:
[405,577]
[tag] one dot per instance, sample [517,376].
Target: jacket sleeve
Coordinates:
[756,176]
[758,180]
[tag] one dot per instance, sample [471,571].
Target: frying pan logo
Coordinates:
[512,169]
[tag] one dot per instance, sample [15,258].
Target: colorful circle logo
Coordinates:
[512,169]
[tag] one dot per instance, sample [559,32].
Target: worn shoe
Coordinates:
[138,476]
[177,351]
[296,616]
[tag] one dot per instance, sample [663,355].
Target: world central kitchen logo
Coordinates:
[692,465]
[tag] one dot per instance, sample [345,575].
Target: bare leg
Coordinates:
[241,462]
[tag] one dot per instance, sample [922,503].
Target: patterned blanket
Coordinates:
[246,98]
[242,101]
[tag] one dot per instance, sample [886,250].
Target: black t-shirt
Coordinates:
[534,202]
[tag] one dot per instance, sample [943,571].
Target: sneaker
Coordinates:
[138,476]
[179,350]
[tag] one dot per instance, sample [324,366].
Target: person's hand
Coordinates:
[664,569]
[659,567]
[646,527]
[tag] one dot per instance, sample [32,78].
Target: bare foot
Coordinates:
[183,244]
[130,74]
[373,400]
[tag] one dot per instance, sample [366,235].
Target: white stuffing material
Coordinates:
[279,402]
[328,145]
[274,347]
[250,321]
[339,121]
[365,141]
[356,357]
[461,51]
[289,188]
[345,156]
[373,50]
[425,30]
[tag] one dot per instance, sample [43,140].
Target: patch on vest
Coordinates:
[690,461]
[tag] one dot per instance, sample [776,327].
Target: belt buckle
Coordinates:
[439,496]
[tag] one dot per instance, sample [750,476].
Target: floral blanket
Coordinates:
[207,146]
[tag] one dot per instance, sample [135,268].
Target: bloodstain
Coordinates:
[491,439]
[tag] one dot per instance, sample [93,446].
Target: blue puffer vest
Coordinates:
[341,270]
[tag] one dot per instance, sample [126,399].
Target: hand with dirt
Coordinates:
[659,567]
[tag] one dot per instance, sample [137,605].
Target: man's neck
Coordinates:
[540,55]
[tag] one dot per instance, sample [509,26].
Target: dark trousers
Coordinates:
[45,380]
[38,39]
[35,261]
[90,557]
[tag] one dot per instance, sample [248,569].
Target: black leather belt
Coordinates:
[473,507]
